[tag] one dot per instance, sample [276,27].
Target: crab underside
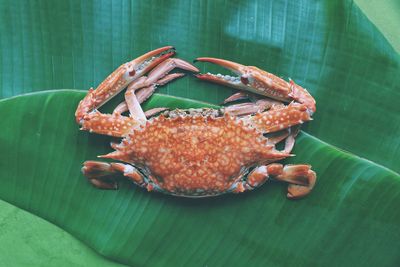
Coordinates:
[198,152]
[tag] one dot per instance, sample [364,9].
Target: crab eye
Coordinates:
[244,80]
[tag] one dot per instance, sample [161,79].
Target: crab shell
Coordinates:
[195,153]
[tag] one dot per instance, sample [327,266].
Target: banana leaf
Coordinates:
[353,204]
[330,47]
[27,240]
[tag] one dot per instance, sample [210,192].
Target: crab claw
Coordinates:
[228,80]
[141,65]
[258,81]
[120,78]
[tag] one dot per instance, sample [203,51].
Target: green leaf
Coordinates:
[352,205]
[26,240]
[385,16]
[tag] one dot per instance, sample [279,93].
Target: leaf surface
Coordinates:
[27,240]
[352,205]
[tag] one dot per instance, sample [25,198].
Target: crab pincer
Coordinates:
[158,60]
[156,64]
[258,81]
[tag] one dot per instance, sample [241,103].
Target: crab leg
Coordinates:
[101,174]
[290,140]
[122,107]
[237,96]
[289,135]
[144,93]
[158,76]
[132,102]
[258,81]
[252,107]
[154,111]
[277,137]
[300,177]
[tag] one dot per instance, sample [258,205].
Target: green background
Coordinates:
[331,48]
[386,16]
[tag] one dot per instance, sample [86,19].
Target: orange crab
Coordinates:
[198,152]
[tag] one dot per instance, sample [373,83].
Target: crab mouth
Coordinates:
[241,81]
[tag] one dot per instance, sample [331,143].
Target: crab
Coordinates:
[198,152]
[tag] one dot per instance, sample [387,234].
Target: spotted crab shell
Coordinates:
[192,153]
